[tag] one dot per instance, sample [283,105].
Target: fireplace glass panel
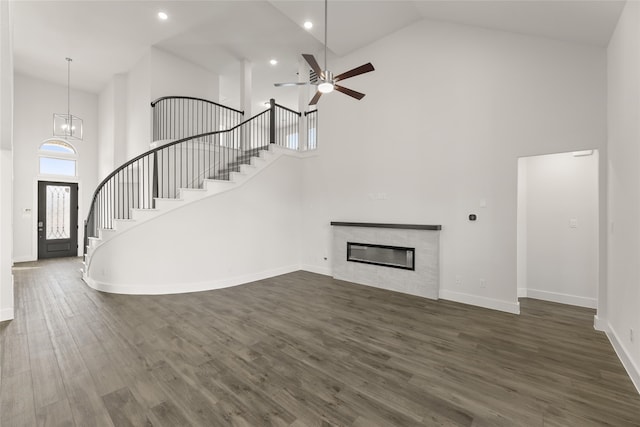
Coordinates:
[389,256]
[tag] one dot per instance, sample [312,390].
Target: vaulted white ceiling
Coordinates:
[108,37]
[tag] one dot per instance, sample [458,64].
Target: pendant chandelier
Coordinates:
[67,125]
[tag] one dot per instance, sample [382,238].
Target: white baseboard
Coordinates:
[325,271]
[522,292]
[137,289]
[6,314]
[560,298]
[600,324]
[494,304]
[628,363]
[24,258]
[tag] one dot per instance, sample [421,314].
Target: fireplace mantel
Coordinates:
[381,225]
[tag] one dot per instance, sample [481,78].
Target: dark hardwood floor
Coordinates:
[298,350]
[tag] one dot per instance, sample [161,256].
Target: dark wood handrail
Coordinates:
[289,109]
[153,103]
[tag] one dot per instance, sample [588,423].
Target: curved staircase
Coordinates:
[179,173]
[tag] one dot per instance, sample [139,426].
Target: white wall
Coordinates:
[561,261]
[230,82]
[234,237]
[448,111]
[6,240]
[35,103]
[623,296]
[138,108]
[106,135]
[6,162]
[171,76]
[112,115]
[155,75]
[521,233]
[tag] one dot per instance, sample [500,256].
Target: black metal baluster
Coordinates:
[155,180]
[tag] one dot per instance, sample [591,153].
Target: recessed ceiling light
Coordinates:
[308,25]
[273,62]
[163,16]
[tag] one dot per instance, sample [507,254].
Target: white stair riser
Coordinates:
[143,214]
[247,169]
[237,177]
[168,204]
[123,224]
[191,194]
[215,186]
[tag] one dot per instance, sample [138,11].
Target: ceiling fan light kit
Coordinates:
[326,84]
[326,81]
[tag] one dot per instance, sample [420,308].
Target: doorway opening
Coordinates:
[557,234]
[57,219]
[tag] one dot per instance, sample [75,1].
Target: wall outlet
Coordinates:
[483,283]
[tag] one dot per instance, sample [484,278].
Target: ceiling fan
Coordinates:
[326,81]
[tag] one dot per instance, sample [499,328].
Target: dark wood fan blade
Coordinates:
[346,91]
[315,98]
[291,84]
[355,72]
[311,60]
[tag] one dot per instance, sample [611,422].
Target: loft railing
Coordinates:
[312,129]
[185,163]
[285,125]
[175,117]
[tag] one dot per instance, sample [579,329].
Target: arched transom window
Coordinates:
[58,157]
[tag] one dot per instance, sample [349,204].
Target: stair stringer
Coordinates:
[126,239]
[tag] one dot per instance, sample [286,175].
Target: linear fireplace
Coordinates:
[388,256]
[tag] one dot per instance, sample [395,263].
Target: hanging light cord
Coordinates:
[325,34]
[69,90]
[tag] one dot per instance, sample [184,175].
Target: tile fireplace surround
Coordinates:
[424,281]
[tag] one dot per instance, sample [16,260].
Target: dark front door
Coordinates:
[57,219]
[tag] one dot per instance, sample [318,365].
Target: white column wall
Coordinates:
[6,237]
[6,162]
[622,321]
[138,108]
